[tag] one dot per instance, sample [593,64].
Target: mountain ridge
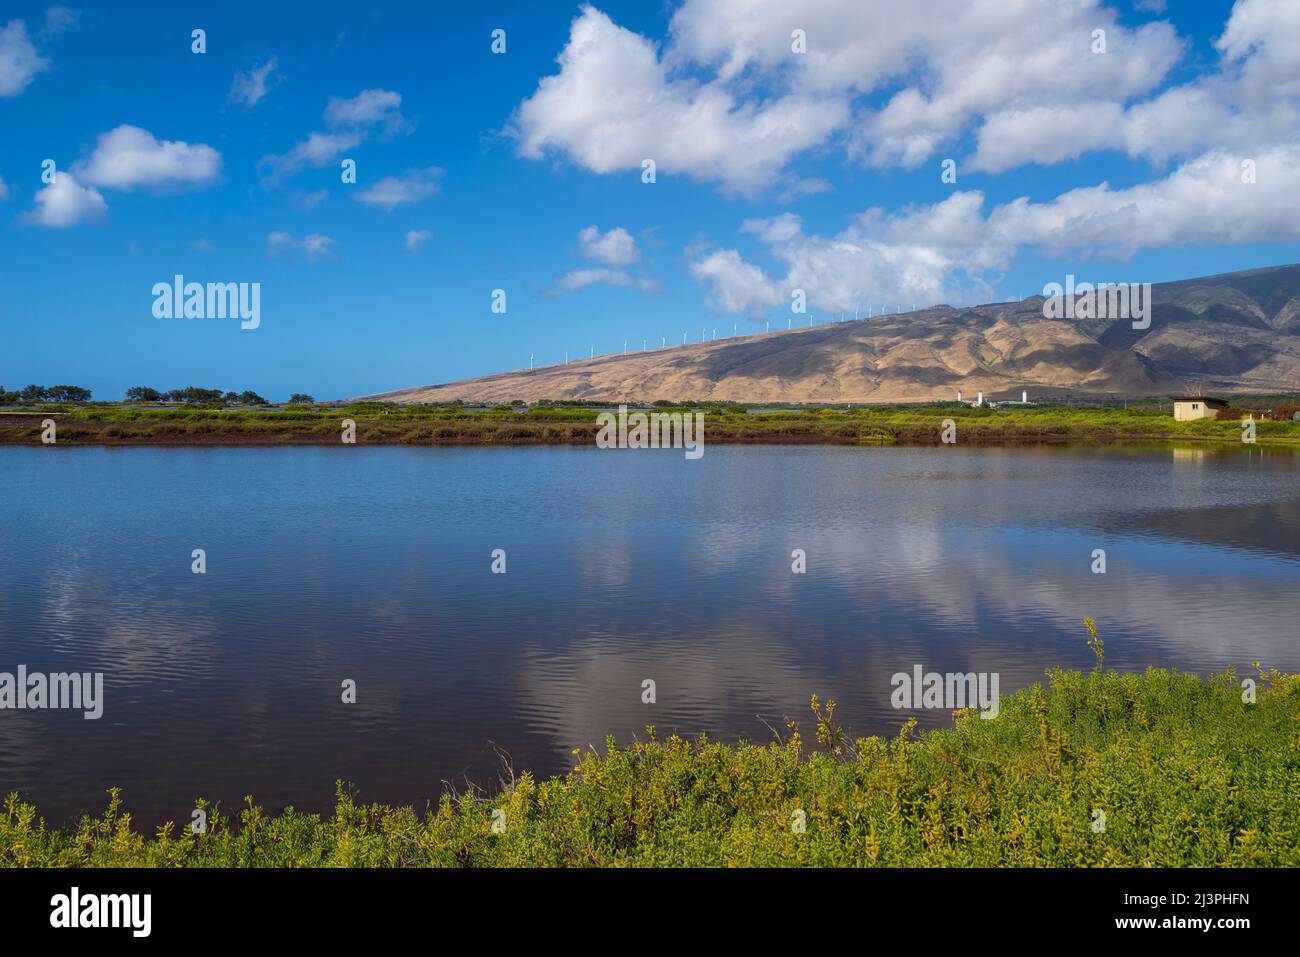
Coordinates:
[1231,332]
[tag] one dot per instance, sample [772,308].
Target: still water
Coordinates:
[374,564]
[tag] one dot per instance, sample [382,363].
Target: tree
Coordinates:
[231,398]
[35,393]
[9,398]
[142,393]
[249,397]
[301,398]
[193,394]
[67,393]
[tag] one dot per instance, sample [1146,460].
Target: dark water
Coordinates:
[374,564]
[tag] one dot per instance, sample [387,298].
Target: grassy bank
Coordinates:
[1185,772]
[377,424]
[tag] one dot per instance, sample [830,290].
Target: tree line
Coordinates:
[140,393]
[193,395]
[40,393]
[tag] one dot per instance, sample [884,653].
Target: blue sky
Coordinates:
[768,162]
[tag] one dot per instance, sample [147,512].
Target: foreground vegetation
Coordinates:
[380,423]
[1185,772]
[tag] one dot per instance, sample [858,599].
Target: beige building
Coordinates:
[1189,407]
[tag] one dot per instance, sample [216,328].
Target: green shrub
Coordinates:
[1186,772]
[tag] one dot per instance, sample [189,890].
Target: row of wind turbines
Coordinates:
[735,328]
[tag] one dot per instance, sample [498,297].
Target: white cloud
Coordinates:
[1251,102]
[352,121]
[614,104]
[19,61]
[367,108]
[616,247]
[1048,134]
[65,202]
[957,60]
[4,190]
[581,278]
[1203,201]
[318,149]
[128,156]
[734,286]
[415,238]
[312,246]
[59,19]
[249,87]
[411,187]
[949,251]
[727,100]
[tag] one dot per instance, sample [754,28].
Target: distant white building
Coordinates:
[979,402]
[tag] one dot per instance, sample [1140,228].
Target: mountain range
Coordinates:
[1235,332]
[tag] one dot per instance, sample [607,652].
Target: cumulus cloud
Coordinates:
[127,157]
[65,202]
[250,87]
[616,247]
[19,61]
[733,285]
[957,61]
[951,251]
[1009,136]
[415,238]
[393,191]
[727,101]
[312,246]
[1252,101]
[350,120]
[615,103]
